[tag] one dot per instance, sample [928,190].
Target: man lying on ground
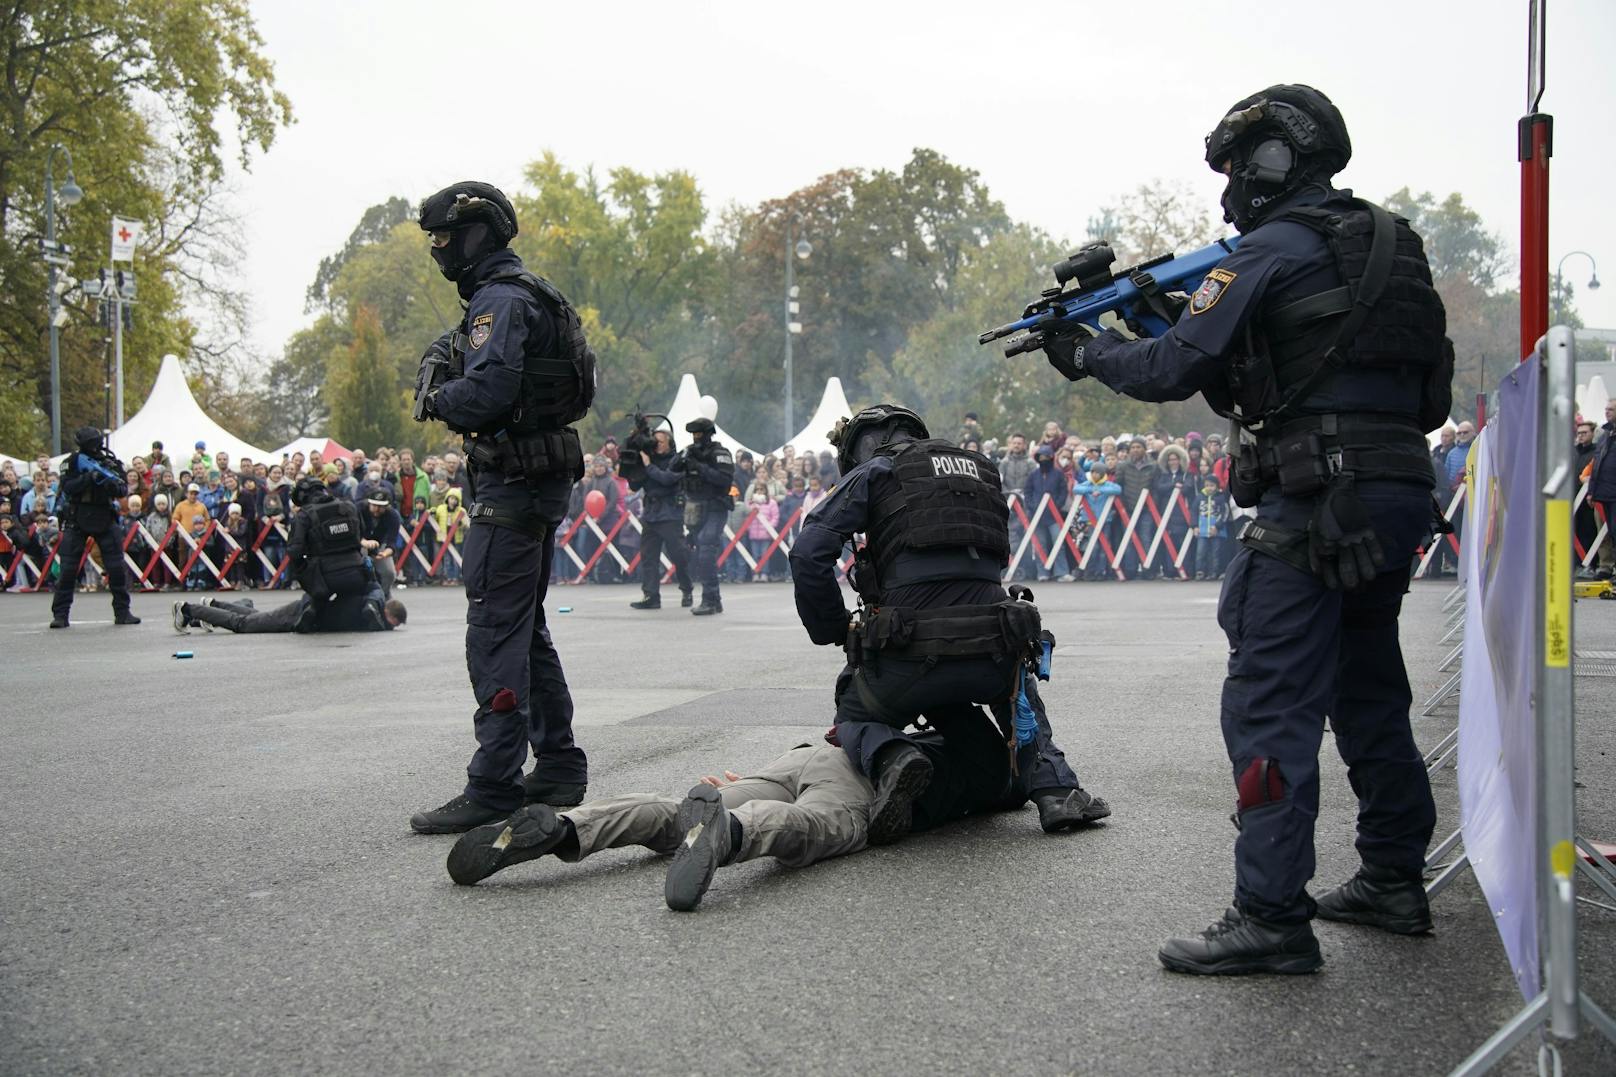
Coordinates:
[808,805]
[339,613]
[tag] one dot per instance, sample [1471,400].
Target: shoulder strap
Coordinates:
[1377,272]
[542,290]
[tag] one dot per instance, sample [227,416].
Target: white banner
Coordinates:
[125,238]
[1497,743]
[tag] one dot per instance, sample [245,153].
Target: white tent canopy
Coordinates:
[172,415]
[813,437]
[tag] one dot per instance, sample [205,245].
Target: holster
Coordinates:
[1266,537]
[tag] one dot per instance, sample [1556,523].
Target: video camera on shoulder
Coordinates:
[642,438]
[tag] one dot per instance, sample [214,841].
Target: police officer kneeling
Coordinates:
[509,380]
[937,633]
[92,480]
[1322,339]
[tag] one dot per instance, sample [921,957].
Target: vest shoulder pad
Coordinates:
[721,455]
[541,289]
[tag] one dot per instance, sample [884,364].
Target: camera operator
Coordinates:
[663,522]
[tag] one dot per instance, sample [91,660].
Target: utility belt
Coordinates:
[1305,454]
[530,524]
[1008,628]
[527,457]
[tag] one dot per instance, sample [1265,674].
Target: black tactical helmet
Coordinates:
[309,489]
[465,203]
[1298,115]
[701,426]
[479,220]
[88,438]
[857,439]
[1272,144]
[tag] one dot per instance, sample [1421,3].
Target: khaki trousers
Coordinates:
[807,805]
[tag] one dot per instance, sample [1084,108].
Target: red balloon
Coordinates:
[595,503]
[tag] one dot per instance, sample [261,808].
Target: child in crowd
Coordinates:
[1212,524]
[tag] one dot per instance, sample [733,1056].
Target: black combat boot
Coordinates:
[1240,944]
[706,847]
[686,599]
[902,774]
[647,603]
[1069,810]
[528,834]
[456,817]
[536,790]
[1380,897]
[59,620]
[708,607]
[125,618]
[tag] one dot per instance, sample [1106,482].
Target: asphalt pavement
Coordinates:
[206,867]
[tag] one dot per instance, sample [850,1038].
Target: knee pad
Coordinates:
[1259,784]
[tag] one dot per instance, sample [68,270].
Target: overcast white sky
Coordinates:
[1060,106]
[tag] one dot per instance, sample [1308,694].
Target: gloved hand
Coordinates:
[1065,351]
[1341,543]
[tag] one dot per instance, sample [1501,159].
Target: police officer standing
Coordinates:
[937,633]
[92,480]
[1322,339]
[509,380]
[709,476]
[663,522]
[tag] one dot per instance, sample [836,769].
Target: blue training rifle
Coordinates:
[1138,294]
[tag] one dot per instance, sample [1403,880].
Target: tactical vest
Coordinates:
[697,488]
[940,516]
[1295,351]
[556,389]
[334,564]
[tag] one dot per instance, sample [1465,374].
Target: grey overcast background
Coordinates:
[1060,106]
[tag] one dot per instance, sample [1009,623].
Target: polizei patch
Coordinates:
[953,465]
[1211,290]
[481,326]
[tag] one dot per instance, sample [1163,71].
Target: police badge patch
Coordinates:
[481,327]
[1211,290]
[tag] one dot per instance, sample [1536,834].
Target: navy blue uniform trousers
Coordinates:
[1300,653]
[67,560]
[516,675]
[706,542]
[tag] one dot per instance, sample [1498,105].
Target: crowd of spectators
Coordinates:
[414,512]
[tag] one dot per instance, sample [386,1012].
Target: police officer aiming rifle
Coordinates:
[509,379]
[1322,339]
[92,481]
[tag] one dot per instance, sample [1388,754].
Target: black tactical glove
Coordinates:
[1065,351]
[1341,543]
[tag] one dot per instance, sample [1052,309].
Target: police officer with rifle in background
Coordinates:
[647,464]
[510,380]
[1322,339]
[92,480]
[708,470]
[935,633]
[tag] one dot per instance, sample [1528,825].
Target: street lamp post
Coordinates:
[802,249]
[55,257]
[1559,292]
